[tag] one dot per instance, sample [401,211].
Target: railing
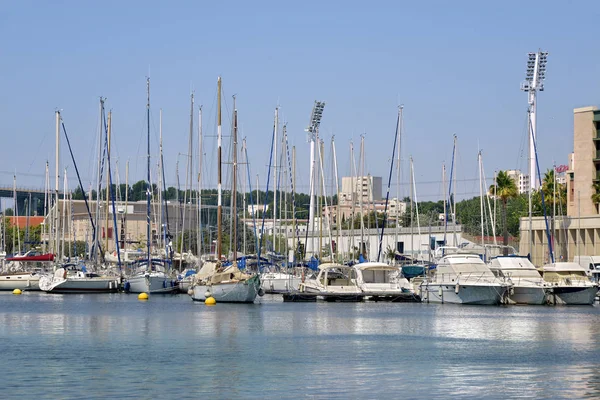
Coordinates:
[469,278]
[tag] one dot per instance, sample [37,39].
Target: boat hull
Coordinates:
[151,283]
[466,294]
[527,295]
[79,285]
[23,281]
[572,295]
[229,292]
[280,283]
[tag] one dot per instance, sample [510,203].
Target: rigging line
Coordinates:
[387,196]
[262,230]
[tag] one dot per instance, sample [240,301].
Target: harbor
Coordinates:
[259,200]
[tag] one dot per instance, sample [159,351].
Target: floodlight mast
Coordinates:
[534,82]
[313,137]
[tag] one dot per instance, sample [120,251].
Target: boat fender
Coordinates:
[457,288]
[261,292]
[440,292]
[512,291]
[127,286]
[164,284]
[172,284]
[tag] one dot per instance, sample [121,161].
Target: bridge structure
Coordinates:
[23,193]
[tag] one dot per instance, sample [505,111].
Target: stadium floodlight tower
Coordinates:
[534,82]
[313,137]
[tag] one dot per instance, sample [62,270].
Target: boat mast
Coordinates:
[45,230]
[361,164]
[148,187]
[107,180]
[275,180]
[56,182]
[219,188]
[234,191]
[481,200]
[398,169]
[96,244]
[199,236]
[126,203]
[161,231]
[338,216]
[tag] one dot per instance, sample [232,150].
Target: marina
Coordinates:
[252,200]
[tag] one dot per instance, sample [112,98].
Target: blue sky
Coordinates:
[456,67]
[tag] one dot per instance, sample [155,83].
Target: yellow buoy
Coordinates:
[143,296]
[17,291]
[210,301]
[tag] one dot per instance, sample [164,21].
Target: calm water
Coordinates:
[93,346]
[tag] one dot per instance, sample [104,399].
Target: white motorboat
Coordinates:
[528,286]
[279,282]
[382,281]
[151,279]
[225,284]
[72,278]
[20,280]
[569,284]
[463,279]
[334,282]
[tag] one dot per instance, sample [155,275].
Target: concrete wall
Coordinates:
[571,236]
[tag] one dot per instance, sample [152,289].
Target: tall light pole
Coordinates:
[534,82]
[313,135]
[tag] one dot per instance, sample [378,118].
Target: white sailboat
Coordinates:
[463,279]
[73,278]
[151,275]
[225,283]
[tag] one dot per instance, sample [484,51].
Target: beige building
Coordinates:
[578,233]
[521,180]
[74,222]
[584,164]
[369,187]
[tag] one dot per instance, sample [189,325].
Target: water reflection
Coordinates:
[115,346]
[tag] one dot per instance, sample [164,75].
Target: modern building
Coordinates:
[521,180]
[353,188]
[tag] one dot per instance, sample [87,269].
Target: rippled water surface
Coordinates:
[114,346]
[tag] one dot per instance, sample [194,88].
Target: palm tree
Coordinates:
[596,194]
[504,189]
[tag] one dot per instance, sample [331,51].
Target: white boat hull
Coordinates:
[79,285]
[463,294]
[279,283]
[229,292]
[185,284]
[23,281]
[527,295]
[151,283]
[572,295]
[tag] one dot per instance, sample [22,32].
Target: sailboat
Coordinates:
[225,283]
[150,275]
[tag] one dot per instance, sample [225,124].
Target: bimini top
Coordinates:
[377,266]
[511,263]
[563,267]
[332,265]
[461,259]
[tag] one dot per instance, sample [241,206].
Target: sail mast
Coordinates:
[219,188]
[234,191]
[148,187]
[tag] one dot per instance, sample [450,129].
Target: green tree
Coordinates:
[596,194]
[504,189]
